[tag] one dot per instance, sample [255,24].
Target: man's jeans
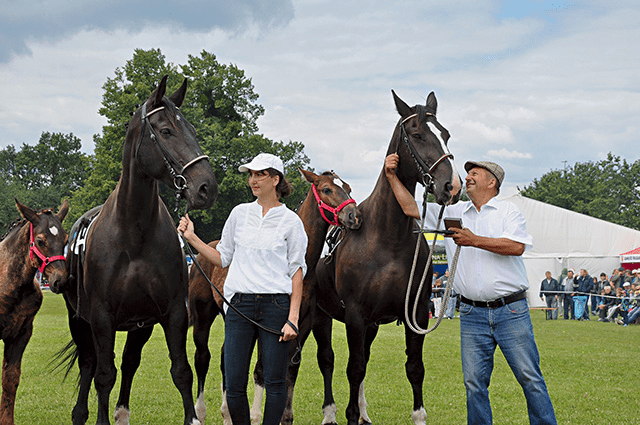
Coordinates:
[552,302]
[271,311]
[509,327]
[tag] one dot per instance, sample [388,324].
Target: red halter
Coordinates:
[323,206]
[34,249]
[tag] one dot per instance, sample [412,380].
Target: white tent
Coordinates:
[563,238]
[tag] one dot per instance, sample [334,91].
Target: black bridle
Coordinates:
[175,168]
[424,170]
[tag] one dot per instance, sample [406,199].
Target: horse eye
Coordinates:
[326,191]
[165,131]
[40,243]
[417,136]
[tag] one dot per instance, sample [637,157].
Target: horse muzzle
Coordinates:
[57,277]
[350,217]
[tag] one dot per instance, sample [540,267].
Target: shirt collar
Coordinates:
[492,203]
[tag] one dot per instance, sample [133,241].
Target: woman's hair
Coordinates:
[283,188]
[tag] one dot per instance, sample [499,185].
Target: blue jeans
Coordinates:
[271,311]
[509,327]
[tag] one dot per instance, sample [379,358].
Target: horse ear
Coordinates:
[432,103]
[178,96]
[309,176]
[403,109]
[62,212]
[26,212]
[158,94]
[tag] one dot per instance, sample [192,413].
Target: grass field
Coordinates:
[591,369]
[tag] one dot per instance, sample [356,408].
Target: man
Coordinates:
[569,287]
[616,278]
[597,289]
[580,297]
[491,280]
[607,300]
[549,288]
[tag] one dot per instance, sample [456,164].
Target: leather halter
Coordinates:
[172,164]
[33,249]
[423,168]
[322,206]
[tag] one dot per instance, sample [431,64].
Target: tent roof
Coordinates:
[632,252]
[561,233]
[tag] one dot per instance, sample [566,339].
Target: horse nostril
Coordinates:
[203,190]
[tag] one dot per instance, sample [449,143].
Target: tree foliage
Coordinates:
[42,175]
[608,189]
[221,104]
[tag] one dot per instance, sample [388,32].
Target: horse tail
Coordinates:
[65,359]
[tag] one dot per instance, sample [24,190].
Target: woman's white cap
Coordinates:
[262,162]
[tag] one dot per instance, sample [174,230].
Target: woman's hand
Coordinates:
[186,228]
[289,332]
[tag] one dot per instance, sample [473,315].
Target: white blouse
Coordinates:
[263,253]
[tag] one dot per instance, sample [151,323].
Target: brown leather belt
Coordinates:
[517,296]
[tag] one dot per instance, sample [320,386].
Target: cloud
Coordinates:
[506,154]
[22,22]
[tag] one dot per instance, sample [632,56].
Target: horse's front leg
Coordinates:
[356,368]
[415,373]
[175,331]
[11,366]
[322,331]
[130,363]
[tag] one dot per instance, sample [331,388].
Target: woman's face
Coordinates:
[262,183]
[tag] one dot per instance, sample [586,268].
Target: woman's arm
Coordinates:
[294,307]
[186,228]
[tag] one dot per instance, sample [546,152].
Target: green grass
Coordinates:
[591,370]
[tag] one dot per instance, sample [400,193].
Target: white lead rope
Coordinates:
[413,322]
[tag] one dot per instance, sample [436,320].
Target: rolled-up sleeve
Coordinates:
[226,246]
[297,247]
[515,228]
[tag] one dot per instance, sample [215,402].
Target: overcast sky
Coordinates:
[529,84]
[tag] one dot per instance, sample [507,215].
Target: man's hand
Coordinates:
[391,163]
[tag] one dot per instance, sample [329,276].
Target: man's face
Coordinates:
[570,274]
[548,274]
[583,272]
[478,180]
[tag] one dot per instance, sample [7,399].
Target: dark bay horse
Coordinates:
[133,274]
[366,283]
[34,244]
[205,303]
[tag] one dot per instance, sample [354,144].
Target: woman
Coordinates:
[264,245]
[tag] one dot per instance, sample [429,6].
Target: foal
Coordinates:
[34,243]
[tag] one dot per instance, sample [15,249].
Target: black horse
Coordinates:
[133,273]
[366,283]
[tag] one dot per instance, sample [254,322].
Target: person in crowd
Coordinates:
[598,285]
[569,287]
[625,303]
[492,281]
[436,294]
[453,298]
[549,288]
[606,301]
[264,245]
[634,309]
[585,283]
[617,278]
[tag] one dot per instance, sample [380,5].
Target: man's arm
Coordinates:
[404,198]
[502,246]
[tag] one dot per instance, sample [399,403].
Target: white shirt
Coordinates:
[482,275]
[263,253]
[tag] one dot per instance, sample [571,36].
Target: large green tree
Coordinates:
[608,189]
[221,104]
[42,175]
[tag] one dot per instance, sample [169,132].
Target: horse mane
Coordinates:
[21,221]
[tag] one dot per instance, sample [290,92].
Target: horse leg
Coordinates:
[258,382]
[175,332]
[371,333]
[415,373]
[83,340]
[356,368]
[224,407]
[104,336]
[11,367]
[322,330]
[203,315]
[130,361]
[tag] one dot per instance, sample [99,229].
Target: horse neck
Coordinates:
[15,255]
[137,195]
[315,227]
[384,211]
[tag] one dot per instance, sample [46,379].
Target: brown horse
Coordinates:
[205,303]
[34,244]
[133,274]
[366,283]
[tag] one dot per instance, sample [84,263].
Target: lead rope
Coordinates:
[412,322]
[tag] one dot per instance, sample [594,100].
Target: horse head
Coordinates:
[421,142]
[47,239]
[334,195]
[167,148]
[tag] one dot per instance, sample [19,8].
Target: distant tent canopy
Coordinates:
[564,239]
[631,260]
